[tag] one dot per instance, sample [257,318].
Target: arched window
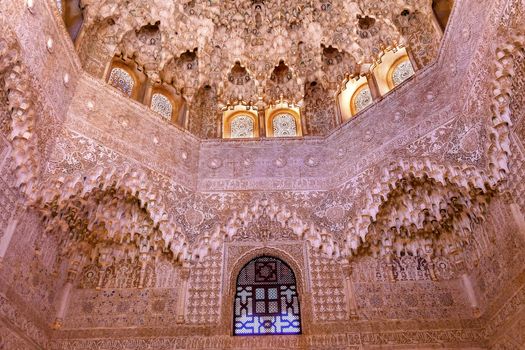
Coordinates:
[122,80]
[242,126]
[162,105]
[401,71]
[354,96]
[266,299]
[284,125]
[361,99]
[240,121]
[392,68]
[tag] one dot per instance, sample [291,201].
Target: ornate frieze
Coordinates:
[160,221]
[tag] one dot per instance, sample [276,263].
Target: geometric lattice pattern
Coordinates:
[121,79]
[402,72]
[266,299]
[284,125]
[203,305]
[363,100]
[328,288]
[161,105]
[242,127]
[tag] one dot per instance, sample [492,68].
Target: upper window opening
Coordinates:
[283,120]
[71,13]
[402,71]
[354,96]
[266,299]
[284,125]
[162,105]
[442,10]
[361,99]
[122,80]
[242,126]
[240,121]
[392,67]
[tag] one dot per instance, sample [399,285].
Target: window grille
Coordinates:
[122,80]
[242,127]
[284,125]
[363,99]
[161,104]
[402,72]
[266,299]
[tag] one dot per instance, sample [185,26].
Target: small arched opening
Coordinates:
[266,299]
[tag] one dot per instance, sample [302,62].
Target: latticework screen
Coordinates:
[266,299]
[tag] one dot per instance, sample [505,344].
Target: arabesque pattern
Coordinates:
[396,224]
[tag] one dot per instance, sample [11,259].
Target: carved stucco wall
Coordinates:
[119,302]
[499,275]
[501,266]
[29,273]
[386,315]
[439,303]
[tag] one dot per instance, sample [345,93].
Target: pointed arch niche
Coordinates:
[71,12]
[442,10]
[293,258]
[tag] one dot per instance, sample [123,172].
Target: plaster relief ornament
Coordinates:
[363,100]
[284,125]
[247,162]
[378,220]
[251,51]
[242,127]
[120,79]
[340,153]
[215,163]
[280,162]
[399,115]
[161,105]
[311,161]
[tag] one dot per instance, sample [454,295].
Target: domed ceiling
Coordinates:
[215,53]
[125,229]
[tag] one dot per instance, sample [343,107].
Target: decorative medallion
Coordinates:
[280,162]
[215,163]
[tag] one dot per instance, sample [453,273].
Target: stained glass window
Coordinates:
[284,125]
[161,104]
[402,72]
[362,100]
[242,127]
[121,79]
[266,299]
